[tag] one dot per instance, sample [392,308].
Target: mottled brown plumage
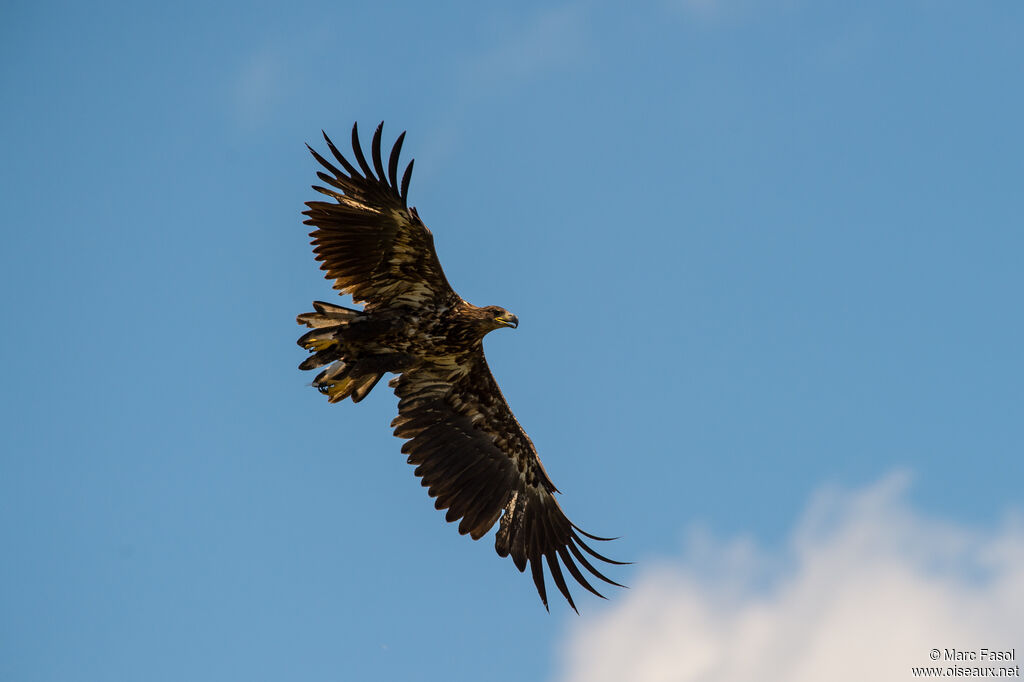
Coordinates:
[469,450]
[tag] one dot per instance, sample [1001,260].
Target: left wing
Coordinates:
[370,242]
[474,457]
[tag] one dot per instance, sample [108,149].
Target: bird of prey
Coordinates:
[468,448]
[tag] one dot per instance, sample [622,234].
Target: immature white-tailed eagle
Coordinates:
[468,448]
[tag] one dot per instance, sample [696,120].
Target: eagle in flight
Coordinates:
[468,448]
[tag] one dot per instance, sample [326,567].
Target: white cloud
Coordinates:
[699,6]
[864,590]
[713,11]
[550,40]
[554,39]
[259,87]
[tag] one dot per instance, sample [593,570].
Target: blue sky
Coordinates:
[755,248]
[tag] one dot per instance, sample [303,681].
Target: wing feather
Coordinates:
[406,176]
[396,151]
[375,148]
[368,241]
[474,457]
[357,149]
[349,168]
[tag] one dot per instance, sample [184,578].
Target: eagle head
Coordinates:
[496,317]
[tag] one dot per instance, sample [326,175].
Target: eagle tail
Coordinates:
[344,377]
[328,315]
[338,383]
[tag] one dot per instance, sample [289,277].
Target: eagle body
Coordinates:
[361,346]
[469,450]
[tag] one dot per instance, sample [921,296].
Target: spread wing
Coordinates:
[474,457]
[371,243]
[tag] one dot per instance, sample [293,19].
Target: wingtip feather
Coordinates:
[358,151]
[396,151]
[375,152]
[406,177]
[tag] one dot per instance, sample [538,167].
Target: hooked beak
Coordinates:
[509,320]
